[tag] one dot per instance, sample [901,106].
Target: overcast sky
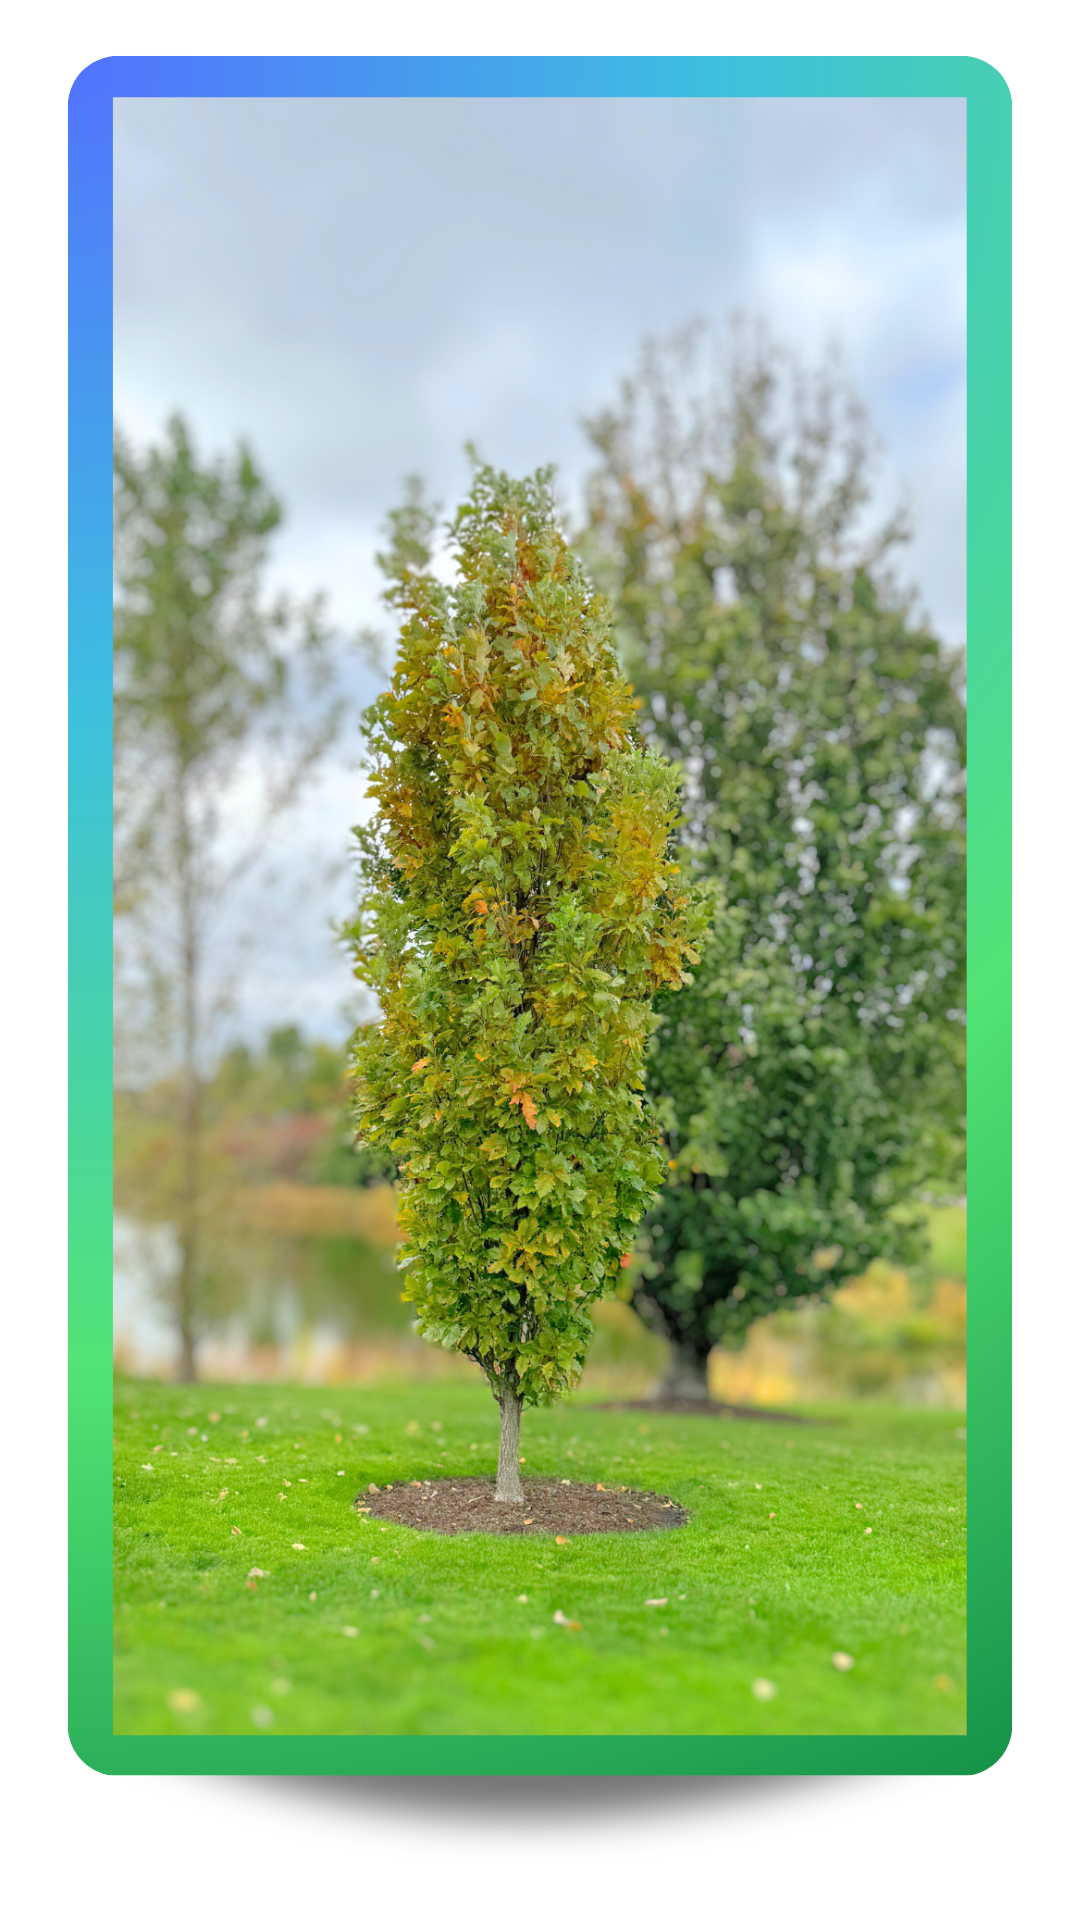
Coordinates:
[359,286]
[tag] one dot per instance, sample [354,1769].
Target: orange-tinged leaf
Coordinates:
[419,1065]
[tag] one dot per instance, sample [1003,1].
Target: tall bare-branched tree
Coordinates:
[224,706]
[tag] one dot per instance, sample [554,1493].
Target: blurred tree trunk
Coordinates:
[686,1377]
[191,1101]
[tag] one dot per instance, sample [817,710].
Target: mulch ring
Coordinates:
[719,1409]
[551,1506]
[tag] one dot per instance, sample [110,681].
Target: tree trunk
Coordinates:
[191,1108]
[687,1377]
[187,1370]
[508,1477]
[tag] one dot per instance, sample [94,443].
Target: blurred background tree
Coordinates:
[810,1083]
[296,1228]
[224,706]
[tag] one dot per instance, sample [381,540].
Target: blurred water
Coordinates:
[297,1308]
[146,1260]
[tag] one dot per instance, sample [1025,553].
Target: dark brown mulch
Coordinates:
[550,1506]
[719,1409]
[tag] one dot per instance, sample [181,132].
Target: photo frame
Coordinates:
[988,566]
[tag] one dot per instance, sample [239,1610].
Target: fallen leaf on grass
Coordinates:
[763,1689]
[843,1662]
[351,1633]
[656,1603]
[561,1620]
[313,1596]
[561,1540]
[183,1700]
[299,1547]
[262,1717]
[236,1530]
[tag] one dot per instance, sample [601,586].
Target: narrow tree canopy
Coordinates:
[810,1080]
[520,909]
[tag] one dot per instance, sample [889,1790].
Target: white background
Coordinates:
[176,1847]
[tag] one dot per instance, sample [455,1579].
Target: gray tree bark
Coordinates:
[191,1109]
[508,1476]
[686,1378]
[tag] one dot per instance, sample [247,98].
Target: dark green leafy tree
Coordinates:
[214,689]
[809,1083]
[520,909]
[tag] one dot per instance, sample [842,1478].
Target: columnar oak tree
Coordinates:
[520,909]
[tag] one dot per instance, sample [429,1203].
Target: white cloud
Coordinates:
[360,285]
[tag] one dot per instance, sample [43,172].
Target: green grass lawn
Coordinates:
[844,1536]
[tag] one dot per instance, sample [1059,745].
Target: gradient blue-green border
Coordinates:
[989,588]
